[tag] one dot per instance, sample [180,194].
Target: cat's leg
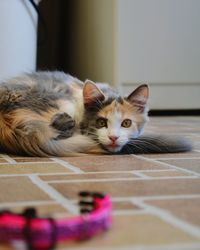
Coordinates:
[64,124]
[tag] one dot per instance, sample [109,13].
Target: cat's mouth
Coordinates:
[113,147]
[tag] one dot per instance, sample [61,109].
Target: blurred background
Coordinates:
[122,42]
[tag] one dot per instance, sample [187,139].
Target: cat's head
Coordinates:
[112,120]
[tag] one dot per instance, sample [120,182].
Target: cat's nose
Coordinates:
[113,138]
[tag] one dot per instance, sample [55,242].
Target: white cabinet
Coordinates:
[158,42]
[18,37]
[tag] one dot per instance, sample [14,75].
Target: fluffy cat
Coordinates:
[53,113]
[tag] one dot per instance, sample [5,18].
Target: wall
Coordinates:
[159,40]
[91,44]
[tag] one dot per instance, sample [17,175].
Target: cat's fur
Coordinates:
[52,113]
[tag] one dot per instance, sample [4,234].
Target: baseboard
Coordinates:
[175,112]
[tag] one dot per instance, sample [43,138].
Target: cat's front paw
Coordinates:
[64,124]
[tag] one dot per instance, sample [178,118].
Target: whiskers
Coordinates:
[139,146]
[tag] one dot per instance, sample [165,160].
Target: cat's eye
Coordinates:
[126,123]
[101,122]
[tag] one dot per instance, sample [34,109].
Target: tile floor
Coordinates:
[156,198]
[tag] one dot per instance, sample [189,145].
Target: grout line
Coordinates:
[172,197]
[8,159]
[48,174]
[168,165]
[141,174]
[186,246]
[93,180]
[55,195]
[143,177]
[180,158]
[169,218]
[155,170]
[57,174]
[24,163]
[98,172]
[158,197]
[25,203]
[86,173]
[40,174]
[68,166]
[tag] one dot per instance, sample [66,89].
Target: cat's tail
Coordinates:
[151,144]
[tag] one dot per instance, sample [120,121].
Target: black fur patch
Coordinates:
[64,124]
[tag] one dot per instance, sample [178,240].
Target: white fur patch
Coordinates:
[114,129]
[73,108]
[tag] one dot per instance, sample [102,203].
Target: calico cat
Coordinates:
[53,113]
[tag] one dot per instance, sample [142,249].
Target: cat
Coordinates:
[55,114]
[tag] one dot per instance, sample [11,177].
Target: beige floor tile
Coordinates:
[124,205]
[188,155]
[186,209]
[190,164]
[30,168]
[20,189]
[112,163]
[132,187]
[87,176]
[166,173]
[33,159]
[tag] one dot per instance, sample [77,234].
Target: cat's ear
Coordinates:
[139,97]
[91,93]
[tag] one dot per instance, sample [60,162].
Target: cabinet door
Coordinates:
[159,44]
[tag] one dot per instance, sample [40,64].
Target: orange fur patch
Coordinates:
[10,121]
[126,109]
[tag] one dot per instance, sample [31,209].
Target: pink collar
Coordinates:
[44,233]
